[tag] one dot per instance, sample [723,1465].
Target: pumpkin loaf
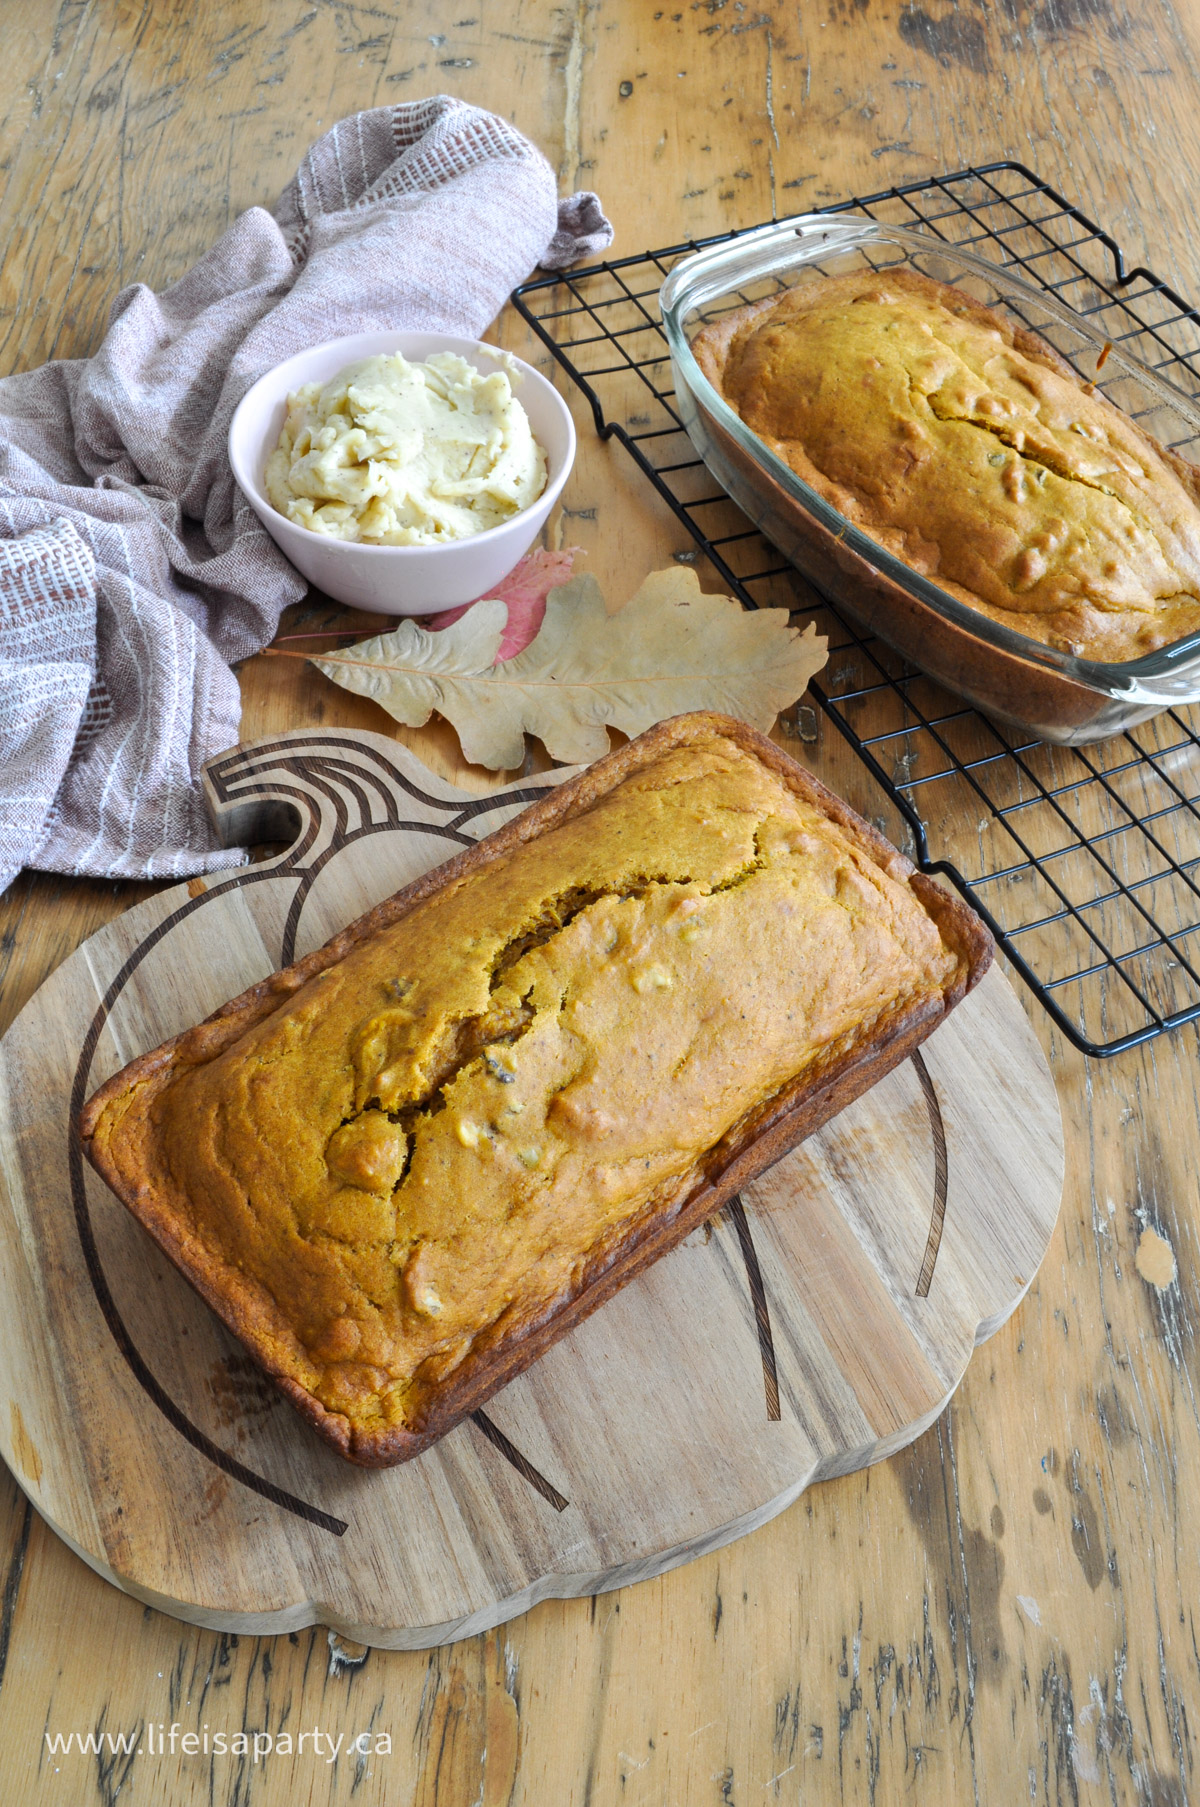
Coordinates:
[969,449]
[402,1167]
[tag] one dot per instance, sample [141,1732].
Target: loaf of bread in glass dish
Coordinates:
[403,1167]
[967,447]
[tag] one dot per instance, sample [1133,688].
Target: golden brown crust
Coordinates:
[512,1341]
[971,451]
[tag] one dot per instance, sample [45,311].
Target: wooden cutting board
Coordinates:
[820,1323]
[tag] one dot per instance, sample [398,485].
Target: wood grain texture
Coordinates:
[1006,1610]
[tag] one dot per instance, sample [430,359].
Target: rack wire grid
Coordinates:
[1083,861]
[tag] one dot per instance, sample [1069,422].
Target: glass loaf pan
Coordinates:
[1054,695]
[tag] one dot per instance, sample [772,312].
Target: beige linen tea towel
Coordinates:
[132,570]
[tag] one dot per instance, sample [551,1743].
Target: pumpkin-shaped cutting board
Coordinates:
[819,1323]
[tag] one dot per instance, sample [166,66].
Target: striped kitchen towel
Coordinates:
[132,570]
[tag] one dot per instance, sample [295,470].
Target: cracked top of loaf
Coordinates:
[428,1145]
[968,448]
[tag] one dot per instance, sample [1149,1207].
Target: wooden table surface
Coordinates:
[1005,1612]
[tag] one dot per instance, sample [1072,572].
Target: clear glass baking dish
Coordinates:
[1052,694]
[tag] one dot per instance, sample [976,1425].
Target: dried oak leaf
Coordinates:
[669,650]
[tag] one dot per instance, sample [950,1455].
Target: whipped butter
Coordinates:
[397,454]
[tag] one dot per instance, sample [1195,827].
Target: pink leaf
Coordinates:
[524,590]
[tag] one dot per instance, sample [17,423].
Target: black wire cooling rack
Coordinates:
[1084,862]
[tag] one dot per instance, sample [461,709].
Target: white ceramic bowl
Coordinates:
[397,580]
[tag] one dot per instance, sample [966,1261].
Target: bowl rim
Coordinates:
[258,499]
[1160,677]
